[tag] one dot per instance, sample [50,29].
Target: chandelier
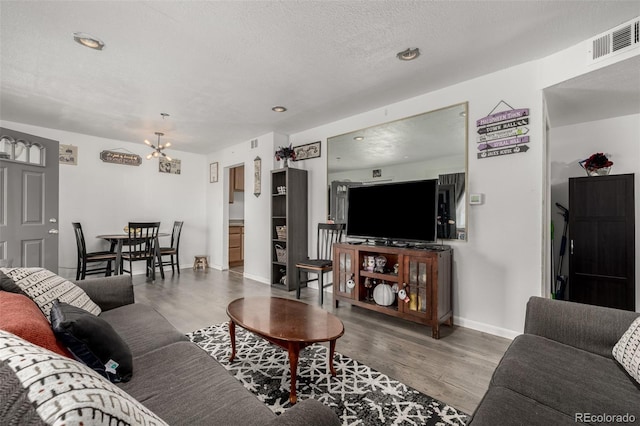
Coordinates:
[157,151]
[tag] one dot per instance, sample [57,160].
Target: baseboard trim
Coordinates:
[485,328]
[257,278]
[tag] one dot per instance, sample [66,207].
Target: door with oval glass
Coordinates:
[29,187]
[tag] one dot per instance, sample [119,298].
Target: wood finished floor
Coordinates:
[455,369]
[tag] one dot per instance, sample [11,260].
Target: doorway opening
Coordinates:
[236,219]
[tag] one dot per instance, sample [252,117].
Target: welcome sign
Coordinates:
[503,132]
[124,158]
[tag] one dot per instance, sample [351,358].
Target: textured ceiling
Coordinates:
[435,135]
[217,67]
[605,93]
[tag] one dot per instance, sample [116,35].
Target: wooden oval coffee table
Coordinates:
[288,323]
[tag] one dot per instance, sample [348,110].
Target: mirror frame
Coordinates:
[461,235]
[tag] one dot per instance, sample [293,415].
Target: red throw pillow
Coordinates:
[21,316]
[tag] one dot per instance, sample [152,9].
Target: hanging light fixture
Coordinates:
[157,151]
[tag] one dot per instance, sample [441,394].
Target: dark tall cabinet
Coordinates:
[289,245]
[602,241]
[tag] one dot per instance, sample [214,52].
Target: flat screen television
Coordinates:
[394,212]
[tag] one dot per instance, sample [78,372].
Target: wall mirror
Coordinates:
[432,145]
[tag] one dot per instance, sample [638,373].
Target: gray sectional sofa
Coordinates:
[561,370]
[172,377]
[175,378]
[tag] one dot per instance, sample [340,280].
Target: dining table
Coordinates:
[118,240]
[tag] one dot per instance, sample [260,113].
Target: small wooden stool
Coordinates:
[201,262]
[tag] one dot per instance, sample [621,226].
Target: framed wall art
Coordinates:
[213,172]
[305,152]
[257,176]
[172,166]
[68,154]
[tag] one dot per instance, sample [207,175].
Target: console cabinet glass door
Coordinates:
[417,277]
[344,266]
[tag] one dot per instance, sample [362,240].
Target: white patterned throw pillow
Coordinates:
[39,386]
[43,287]
[627,350]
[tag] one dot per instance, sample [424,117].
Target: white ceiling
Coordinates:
[436,135]
[217,67]
[609,92]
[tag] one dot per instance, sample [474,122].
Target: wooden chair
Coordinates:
[143,246]
[173,250]
[85,258]
[328,233]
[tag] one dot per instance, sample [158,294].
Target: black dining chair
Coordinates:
[328,234]
[173,249]
[100,259]
[142,245]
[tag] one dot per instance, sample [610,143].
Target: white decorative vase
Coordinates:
[383,295]
[285,163]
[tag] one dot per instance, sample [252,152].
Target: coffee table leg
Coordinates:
[294,351]
[332,351]
[232,334]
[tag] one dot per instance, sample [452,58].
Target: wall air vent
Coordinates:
[254,143]
[620,39]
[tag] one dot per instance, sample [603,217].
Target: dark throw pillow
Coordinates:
[7,284]
[92,341]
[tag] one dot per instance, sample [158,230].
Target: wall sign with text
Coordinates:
[503,132]
[68,154]
[124,158]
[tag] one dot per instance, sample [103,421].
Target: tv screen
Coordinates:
[394,212]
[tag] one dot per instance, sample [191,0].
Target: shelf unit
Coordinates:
[288,208]
[425,275]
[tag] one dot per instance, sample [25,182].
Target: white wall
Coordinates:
[496,271]
[104,197]
[499,268]
[429,169]
[256,209]
[618,137]
[236,209]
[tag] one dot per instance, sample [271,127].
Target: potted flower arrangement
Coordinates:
[287,154]
[597,165]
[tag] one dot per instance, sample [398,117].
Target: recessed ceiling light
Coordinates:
[88,40]
[463,114]
[409,54]
[279,108]
[358,138]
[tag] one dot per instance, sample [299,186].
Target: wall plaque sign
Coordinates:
[116,157]
[503,132]
[68,154]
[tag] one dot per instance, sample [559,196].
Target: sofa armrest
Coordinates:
[592,328]
[109,292]
[309,412]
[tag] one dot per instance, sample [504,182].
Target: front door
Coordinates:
[28,201]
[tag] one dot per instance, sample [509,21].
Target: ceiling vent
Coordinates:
[620,39]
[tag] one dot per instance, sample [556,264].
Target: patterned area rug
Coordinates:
[358,394]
